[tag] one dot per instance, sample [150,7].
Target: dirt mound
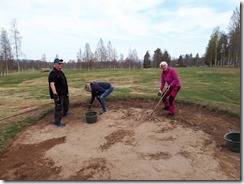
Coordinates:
[125,144]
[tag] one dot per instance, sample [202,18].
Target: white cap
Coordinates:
[163,63]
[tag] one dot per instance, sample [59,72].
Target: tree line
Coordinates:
[223,49]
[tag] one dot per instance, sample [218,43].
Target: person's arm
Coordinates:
[52,85]
[162,82]
[99,90]
[92,97]
[175,77]
[55,94]
[66,85]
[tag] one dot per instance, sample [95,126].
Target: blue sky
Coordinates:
[64,26]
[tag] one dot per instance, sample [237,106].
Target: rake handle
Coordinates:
[160,100]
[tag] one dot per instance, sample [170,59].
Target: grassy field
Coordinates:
[214,88]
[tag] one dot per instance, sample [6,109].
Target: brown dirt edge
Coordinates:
[38,113]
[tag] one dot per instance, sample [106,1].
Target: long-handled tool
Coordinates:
[159,101]
[162,97]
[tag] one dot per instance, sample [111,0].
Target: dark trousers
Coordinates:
[61,108]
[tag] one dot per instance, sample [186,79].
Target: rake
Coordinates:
[159,101]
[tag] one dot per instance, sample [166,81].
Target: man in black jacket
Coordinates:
[59,92]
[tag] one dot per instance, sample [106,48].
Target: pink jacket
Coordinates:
[170,77]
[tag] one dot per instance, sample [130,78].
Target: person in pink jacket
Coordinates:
[169,76]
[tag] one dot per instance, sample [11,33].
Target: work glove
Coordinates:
[159,93]
[55,97]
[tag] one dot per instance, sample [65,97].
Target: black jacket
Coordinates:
[60,81]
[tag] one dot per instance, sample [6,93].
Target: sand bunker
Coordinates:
[125,145]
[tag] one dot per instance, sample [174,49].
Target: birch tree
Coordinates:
[88,56]
[101,53]
[16,39]
[5,50]
[235,38]
[79,58]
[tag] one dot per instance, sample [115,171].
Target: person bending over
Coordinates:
[99,90]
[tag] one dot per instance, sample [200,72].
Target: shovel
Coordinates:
[159,101]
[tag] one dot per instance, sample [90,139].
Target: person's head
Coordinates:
[163,65]
[58,63]
[88,87]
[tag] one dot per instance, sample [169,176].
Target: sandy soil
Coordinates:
[125,144]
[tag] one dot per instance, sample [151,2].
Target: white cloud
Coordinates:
[63,27]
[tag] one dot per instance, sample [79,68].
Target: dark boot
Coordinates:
[170,115]
[166,108]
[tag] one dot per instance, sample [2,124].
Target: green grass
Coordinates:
[14,79]
[213,88]
[218,87]
[10,131]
